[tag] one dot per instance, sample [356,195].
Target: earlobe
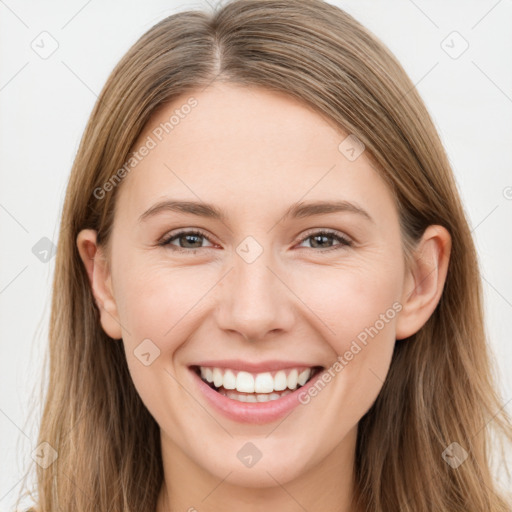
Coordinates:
[98,272]
[424,282]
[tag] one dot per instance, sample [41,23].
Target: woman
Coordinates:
[266,293]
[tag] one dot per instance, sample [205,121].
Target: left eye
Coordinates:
[320,237]
[191,241]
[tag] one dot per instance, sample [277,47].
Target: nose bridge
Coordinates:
[254,301]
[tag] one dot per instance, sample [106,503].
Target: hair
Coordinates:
[441,387]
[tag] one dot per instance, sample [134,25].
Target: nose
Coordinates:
[254,299]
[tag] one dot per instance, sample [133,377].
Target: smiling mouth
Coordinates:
[251,387]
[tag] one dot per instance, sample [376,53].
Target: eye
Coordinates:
[320,239]
[189,241]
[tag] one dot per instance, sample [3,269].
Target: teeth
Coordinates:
[260,383]
[218,378]
[280,381]
[303,377]
[207,374]
[229,381]
[241,397]
[292,379]
[244,382]
[264,383]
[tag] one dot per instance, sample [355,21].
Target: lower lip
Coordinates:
[253,412]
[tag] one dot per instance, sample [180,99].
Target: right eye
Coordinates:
[187,237]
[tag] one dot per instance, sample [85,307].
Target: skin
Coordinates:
[253,153]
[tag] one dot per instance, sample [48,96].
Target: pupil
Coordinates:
[322,237]
[197,237]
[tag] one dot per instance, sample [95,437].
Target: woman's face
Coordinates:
[256,239]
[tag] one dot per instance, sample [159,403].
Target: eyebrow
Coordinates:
[297,210]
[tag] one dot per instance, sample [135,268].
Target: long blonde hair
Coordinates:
[440,385]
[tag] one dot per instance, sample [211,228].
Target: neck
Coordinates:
[326,485]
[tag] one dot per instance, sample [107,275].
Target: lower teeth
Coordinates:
[253,397]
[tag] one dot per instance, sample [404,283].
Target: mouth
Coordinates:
[252,387]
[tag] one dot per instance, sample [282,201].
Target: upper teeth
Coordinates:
[246,382]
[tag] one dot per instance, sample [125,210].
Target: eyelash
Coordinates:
[344,242]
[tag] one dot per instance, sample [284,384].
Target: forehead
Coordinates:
[246,145]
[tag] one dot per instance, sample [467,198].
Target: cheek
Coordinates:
[356,310]
[354,302]
[155,301]
[157,306]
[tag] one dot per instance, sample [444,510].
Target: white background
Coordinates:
[45,103]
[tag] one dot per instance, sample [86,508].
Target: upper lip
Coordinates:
[252,367]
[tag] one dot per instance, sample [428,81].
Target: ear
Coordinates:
[98,271]
[424,282]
